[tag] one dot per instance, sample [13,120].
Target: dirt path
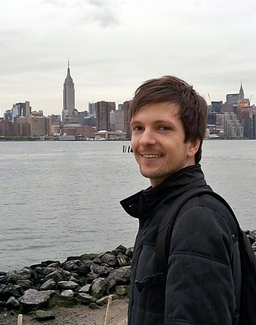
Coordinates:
[77,315]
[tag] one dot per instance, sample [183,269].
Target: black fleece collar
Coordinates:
[141,204]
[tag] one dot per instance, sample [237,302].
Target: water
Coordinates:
[62,198]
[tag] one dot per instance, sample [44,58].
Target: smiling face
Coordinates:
[158,141]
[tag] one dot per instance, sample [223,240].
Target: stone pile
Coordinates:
[87,279]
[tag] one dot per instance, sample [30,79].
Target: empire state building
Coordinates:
[68,94]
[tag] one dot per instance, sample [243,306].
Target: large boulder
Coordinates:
[68,285]
[109,258]
[19,274]
[121,275]
[34,299]
[85,298]
[48,285]
[98,287]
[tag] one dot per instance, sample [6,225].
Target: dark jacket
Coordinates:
[204,276]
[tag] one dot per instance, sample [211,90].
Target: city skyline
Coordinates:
[114,46]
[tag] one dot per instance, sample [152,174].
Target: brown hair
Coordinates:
[192,106]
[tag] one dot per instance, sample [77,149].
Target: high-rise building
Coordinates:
[68,94]
[20,109]
[241,93]
[216,107]
[103,109]
[127,129]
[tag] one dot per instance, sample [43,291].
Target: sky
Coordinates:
[115,45]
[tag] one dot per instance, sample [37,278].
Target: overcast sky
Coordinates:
[115,45]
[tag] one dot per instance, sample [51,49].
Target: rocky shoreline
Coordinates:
[88,279]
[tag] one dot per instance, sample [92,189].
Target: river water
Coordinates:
[62,198]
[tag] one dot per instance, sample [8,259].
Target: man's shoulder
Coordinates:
[210,207]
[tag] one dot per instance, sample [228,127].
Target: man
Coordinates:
[202,286]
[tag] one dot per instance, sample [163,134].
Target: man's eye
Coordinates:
[137,128]
[164,128]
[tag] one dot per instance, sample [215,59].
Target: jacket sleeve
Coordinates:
[200,287]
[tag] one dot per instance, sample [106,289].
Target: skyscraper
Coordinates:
[241,93]
[68,94]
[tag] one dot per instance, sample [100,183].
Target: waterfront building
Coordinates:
[231,125]
[37,123]
[91,108]
[127,129]
[216,106]
[20,109]
[68,95]
[53,125]
[90,121]
[119,120]
[103,110]
[77,130]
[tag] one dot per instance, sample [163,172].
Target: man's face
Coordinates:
[158,141]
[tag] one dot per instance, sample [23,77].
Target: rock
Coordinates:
[111,285]
[10,289]
[82,279]
[3,277]
[50,264]
[67,294]
[21,274]
[97,260]
[33,298]
[94,306]
[121,249]
[85,288]
[68,285]
[109,258]
[84,268]
[123,274]
[98,288]
[121,290]
[92,276]
[102,301]
[129,252]
[44,315]
[12,302]
[25,284]
[61,302]
[45,270]
[85,298]
[122,259]
[100,269]
[48,285]
[72,265]
[74,279]
[56,275]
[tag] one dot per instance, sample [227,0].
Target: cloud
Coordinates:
[102,12]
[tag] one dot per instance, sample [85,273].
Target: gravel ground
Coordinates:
[77,315]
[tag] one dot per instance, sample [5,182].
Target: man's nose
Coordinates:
[147,138]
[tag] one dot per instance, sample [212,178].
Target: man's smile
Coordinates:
[150,156]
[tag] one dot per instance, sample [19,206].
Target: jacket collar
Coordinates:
[141,204]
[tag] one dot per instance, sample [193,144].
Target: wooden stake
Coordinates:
[107,311]
[20,316]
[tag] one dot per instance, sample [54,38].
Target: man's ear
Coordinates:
[193,148]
